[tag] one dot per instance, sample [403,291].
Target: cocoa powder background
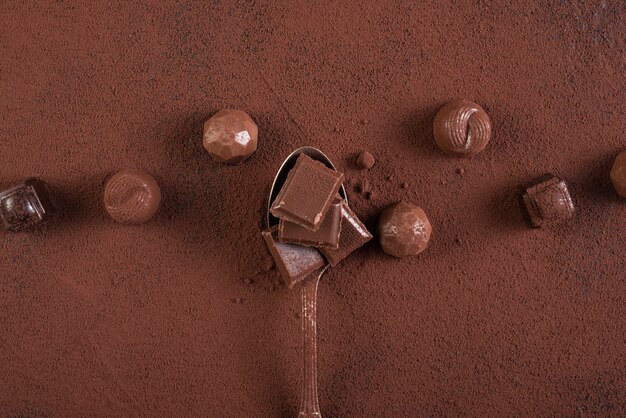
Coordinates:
[184,316]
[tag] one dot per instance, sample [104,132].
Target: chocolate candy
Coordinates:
[132,197]
[618,174]
[326,236]
[230,136]
[25,205]
[307,194]
[548,201]
[295,262]
[462,128]
[353,235]
[404,230]
[365,160]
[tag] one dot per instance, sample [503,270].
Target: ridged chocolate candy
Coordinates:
[230,136]
[462,128]
[132,197]
[404,230]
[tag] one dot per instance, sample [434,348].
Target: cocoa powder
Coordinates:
[494,318]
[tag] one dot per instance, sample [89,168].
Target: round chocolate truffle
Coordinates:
[132,197]
[365,160]
[618,174]
[462,128]
[403,230]
[230,136]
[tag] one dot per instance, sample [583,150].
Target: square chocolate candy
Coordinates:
[307,194]
[327,236]
[548,201]
[353,235]
[25,205]
[295,262]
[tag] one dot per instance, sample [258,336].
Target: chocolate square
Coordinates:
[326,236]
[307,194]
[25,205]
[548,202]
[295,262]
[353,235]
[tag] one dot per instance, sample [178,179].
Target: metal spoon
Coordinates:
[309,405]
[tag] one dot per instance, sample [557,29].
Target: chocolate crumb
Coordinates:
[365,160]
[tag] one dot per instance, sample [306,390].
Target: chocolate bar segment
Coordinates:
[294,262]
[326,236]
[307,194]
[548,201]
[353,235]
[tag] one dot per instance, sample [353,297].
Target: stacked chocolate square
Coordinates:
[316,225]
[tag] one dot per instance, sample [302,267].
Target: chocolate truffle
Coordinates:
[462,128]
[404,230]
[618,174]
[132,197]
[230,136]
[548,201]
[25,205]
[365,160]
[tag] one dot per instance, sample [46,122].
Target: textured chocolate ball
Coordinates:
[462,128]
[365,160]
[230,136]
[132,197]
[618,174]
[403,230]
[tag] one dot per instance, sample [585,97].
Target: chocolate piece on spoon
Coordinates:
[327,236]
[353,235]
[307,193]
[295,262]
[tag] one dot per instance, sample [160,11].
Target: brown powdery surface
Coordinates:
[184,316]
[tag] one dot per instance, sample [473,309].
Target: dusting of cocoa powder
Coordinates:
[494,318]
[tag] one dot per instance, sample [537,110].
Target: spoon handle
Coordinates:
[309,406]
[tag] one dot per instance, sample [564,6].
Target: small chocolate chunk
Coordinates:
[462,128]
[353,235]
[404,230]
[548,201]
[326,236]
[307,193]
[365,160]
[295,262]
[618,174]
[230,136]
[25,205]
[132,197]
